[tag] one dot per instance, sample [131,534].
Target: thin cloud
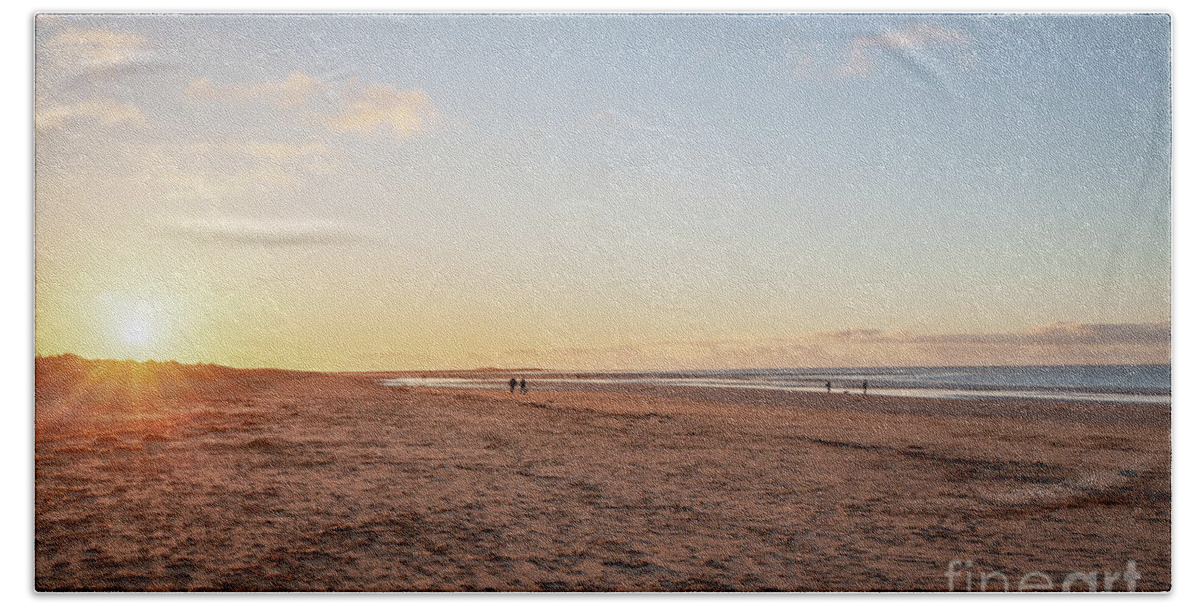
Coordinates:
[296,89]
[863,335]
[1058,343]
[271,232]
[345,107]
[1066,334]
[908,43]
[380,107]
[104,111]
[98,50]
[802,65]
[1055,334]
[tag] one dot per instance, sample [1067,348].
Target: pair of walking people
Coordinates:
[512,386]
[829,387]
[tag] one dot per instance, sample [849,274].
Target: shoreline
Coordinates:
[1141,399]
[1123,384]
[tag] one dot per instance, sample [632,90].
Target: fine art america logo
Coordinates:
[964,576]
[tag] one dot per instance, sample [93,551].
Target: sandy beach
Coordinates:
[172,477]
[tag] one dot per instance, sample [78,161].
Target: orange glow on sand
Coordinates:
[98,397]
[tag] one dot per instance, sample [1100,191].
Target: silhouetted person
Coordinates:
[523,389]
[512,385]
[864,387]
[828,386]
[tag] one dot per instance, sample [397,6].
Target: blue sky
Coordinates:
[606,191]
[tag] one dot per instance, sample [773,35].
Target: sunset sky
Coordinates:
[653,191]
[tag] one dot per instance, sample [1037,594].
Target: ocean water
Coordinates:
[1135,384]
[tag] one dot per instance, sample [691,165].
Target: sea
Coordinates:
[1131,384]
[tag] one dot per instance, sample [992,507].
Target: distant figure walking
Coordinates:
[512,385]
[828,387]
[864,387]
[523,388]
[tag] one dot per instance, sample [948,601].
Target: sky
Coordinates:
[603,192]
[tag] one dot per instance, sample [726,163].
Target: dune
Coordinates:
[168,477]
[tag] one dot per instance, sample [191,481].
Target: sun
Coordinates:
[137,330]
[139,325]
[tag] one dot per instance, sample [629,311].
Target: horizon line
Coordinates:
[492,369]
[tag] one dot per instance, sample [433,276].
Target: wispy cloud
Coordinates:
[271,232]
[342,107]
[105,111]
[1106,333]
[297,89]
[1058,343]
[1061,334]
[908,43]
[98,49]
[803,65]
[379,107]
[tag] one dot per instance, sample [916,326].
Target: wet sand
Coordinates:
[169,477]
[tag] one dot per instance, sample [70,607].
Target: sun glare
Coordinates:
[136,331]
[139,325]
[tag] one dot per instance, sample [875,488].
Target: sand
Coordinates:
[171,477]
